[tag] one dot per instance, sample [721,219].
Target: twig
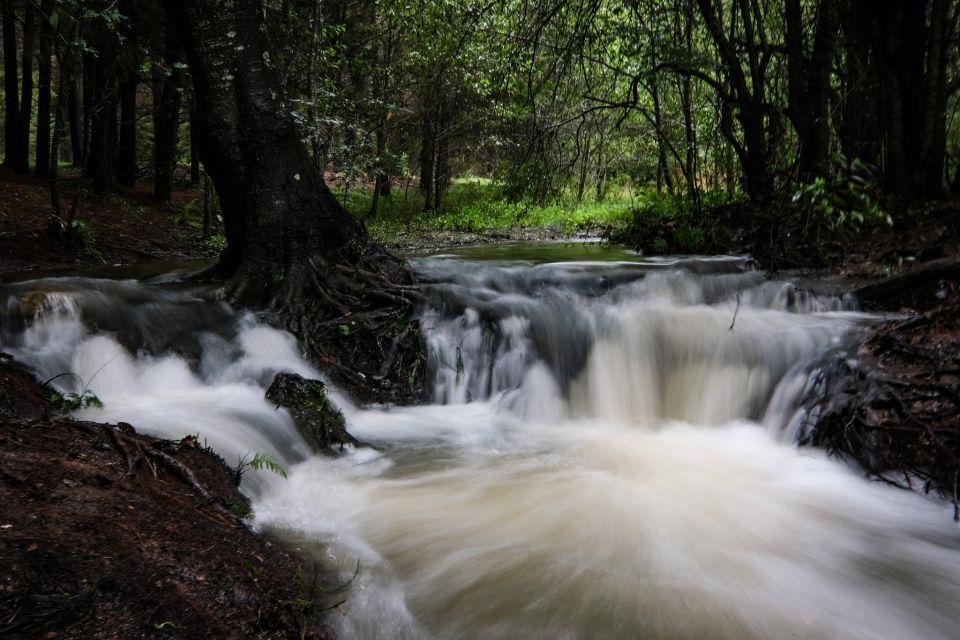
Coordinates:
[735,311]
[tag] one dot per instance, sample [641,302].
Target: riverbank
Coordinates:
[106,533]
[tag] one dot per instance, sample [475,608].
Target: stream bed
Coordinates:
[609,450]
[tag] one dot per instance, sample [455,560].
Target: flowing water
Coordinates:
[609,451]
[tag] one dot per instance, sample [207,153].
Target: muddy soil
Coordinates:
[105,533]
[124,227]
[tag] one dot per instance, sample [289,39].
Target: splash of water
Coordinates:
[608,455]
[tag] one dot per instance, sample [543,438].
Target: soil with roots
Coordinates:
[105,533]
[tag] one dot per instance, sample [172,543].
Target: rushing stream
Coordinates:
[609,452]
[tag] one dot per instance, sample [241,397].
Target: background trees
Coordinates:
[562,97]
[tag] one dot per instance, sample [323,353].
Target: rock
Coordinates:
[320,422]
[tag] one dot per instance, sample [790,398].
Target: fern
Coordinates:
[266,461]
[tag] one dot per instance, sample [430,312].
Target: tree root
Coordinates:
[898,412]
[223,516]
[353,315]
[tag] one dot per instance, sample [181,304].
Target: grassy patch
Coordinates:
[478,205]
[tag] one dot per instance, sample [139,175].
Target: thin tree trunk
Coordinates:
[663,166]
[129,82]
[207,206]
[166,120]
[11,84]
[74,118]
[428,153]
[45,69]
[380,175]
[127,148]
[194,151]
[21,162]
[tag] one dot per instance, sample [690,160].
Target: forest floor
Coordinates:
[105,533]
[174,561]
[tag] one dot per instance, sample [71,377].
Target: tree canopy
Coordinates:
[563,96]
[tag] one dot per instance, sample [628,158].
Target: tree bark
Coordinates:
[129,72]
[11,84]
[45,69]
[127,146]
[166,119]
[279,216]
[746,90]
[194,153]
[809,84]
[21,161]
[100,108]
[73,116]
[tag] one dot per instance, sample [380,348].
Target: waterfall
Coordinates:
[608,451]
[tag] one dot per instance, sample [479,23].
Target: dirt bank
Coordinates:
[122,227]
[105,533]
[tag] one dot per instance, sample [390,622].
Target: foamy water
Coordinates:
[609,454]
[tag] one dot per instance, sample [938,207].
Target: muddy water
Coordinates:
[608,453]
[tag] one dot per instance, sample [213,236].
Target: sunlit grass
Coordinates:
[478,205]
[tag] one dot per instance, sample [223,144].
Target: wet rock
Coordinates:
[320,422]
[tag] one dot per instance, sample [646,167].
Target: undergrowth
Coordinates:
[474,205]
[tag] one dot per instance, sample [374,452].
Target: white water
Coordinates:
[609,458]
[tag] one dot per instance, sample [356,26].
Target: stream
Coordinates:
[609,451]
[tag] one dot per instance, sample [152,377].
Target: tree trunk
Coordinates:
[74,117]
[428,154]
[100,108]
[127,146]
[933,148]
[663,166]
[380,176]
[745,90]
[166,119]
[21,162]
[809,85]
[129,72]
[859,123]
[290,245]
[194,152]
[279,216]
[11,84]
[44,90]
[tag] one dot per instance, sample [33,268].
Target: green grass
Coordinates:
[478,205]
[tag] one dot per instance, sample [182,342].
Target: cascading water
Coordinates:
[609,454]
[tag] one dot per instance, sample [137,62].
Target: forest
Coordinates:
[836,102]
[493,318]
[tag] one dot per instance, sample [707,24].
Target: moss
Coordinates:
[317,419]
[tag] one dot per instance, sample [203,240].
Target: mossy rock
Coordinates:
[318,419]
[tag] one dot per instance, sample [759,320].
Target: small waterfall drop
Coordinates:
[609,452]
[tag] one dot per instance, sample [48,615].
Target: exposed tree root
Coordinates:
[897,410]
[353,314]
[120,441]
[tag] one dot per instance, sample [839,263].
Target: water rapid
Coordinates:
[608,453]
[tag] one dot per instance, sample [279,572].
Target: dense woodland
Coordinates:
[836,101]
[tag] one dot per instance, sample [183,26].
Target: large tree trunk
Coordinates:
[278,213]
[290,245]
